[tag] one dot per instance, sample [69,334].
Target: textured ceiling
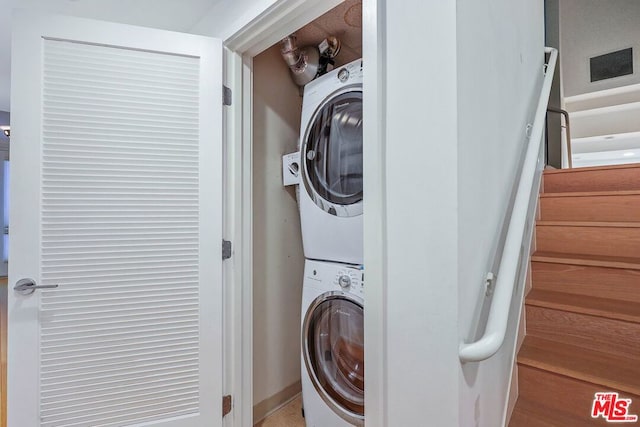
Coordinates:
[344,22]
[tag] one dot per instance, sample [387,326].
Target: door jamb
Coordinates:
[276,22]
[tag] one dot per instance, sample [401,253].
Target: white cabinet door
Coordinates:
[116,208]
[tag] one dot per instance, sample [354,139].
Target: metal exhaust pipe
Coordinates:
[304,63]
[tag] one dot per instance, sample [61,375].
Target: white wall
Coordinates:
[594,27]
[278,257]
[500,63]
[228,16]
[421,204]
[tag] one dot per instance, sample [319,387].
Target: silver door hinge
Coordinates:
[226,249]
[226,405]
[226,95]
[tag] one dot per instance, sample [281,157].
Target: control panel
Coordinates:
[350,280]
[349,71]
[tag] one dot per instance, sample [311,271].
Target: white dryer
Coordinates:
[333,345]
[331,166]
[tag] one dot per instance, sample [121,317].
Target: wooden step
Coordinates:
[619,206]
[583,312]
[603,178]
[618,337]
[601,282]
[587,260]
[589,238]
[532,414]
[628,311]
[569,396]
[609,372]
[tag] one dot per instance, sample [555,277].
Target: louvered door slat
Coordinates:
[101,371]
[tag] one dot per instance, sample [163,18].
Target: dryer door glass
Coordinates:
[335,352]
[333,154]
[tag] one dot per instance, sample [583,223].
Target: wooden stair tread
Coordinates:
[593,193]
[628,311]
[528,413]
[591,168]
[564,394]
[583,330]
[625,224]
[600,240]
[596,367]
[594,206]
[612,283]
[601,178]
[588,260]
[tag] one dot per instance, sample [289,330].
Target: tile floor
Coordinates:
[289,415]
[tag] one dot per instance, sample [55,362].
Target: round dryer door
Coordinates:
[334,353]
[333,154]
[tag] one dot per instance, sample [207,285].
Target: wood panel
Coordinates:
[597,367]
[577,238]
[628,311]
[613,283]
[563,394]
[587,260]
[583,313]
[591,168]
[613,207]
[590,332]
[533,414]
[608,178]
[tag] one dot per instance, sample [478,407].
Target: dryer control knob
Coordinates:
[344,281]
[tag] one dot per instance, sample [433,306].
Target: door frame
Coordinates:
[276,22]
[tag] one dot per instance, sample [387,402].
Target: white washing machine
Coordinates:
[331,166]
[333,345]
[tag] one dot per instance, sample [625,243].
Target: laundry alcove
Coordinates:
[278,259]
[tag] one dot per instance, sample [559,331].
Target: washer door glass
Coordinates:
[333,150]
[335,352]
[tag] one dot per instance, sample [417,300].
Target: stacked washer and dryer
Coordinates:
[330,196]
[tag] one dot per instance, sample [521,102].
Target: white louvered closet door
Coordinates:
[116,192]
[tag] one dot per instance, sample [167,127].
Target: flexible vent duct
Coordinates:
[304,63]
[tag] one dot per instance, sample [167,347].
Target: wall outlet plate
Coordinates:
[291,169]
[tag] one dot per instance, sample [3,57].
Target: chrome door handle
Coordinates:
[28,286]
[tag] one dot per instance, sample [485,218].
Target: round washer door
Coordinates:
[334,353]
[332,154]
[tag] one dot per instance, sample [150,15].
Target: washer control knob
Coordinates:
[344,281]
[343,75]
